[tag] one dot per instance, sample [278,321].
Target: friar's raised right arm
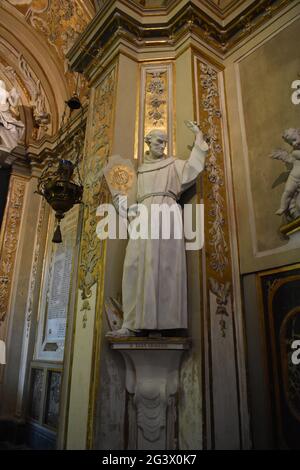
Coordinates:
[188,170]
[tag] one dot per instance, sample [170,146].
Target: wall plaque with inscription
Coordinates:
[59,292]
[56,290]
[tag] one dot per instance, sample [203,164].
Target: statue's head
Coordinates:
[156,140]
[2,85]
[292,137]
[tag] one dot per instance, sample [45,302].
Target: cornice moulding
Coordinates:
[117,20]
[16,157]
[209,6]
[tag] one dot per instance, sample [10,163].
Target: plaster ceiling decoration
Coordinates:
[35,37]
[60,22]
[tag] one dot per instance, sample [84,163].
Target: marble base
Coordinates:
[152,373]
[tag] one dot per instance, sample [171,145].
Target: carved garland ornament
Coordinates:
[95,189]
[217,237]
[10,241]
[155,104]
[216,202]
[156,98]
[151,404]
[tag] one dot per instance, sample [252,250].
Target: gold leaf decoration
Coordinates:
[99,137]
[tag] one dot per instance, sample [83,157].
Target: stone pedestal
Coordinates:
[152,371]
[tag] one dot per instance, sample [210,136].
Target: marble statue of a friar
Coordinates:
[154,287]
[11,129]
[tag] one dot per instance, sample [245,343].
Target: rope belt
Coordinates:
[167,194]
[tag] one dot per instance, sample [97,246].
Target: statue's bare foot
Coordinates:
[122,332]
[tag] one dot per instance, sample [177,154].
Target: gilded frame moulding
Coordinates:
[291,389]
[267,325]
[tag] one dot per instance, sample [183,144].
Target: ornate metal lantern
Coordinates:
[60,191]
[60,182]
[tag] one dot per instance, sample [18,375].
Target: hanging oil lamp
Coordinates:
[60,182]
[60,191]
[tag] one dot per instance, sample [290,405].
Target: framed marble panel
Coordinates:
[56,289]
[51,416]
[280,314]
[36,393]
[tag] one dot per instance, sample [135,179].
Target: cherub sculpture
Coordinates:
[289,205]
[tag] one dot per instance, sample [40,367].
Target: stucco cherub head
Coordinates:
[156,140]
[292,137]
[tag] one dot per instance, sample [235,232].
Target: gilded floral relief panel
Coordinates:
[8,245]
[156,106]
[221,335]
[88,332]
